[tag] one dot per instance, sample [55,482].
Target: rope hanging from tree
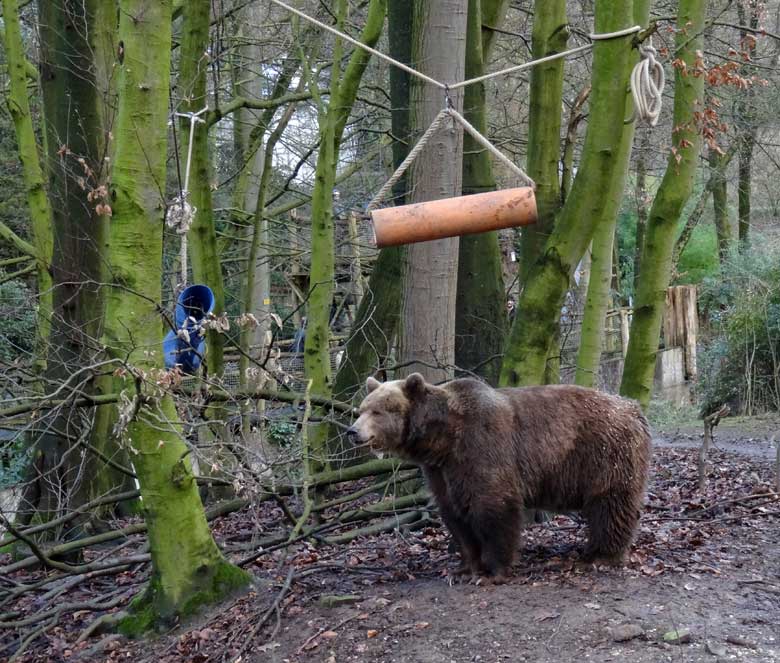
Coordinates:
[181,212]
[647,85]
[420,146]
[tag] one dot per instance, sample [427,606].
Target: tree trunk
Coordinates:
[673,193]
[641,203]
[77,54]
[202,236]
[598,298]
[481,314]
[596,305]
[188,568]
[720,201]
[37,200]
[333,119]
[430,272]
[716,184]
[376,321]
[539,308]
[745,178]
[550,35]
[748,12]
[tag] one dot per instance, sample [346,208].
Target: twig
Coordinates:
[714,520]
[386,525]
[738,500]
[108,499]
[307,501]
[311,639]
[274,608]
[212,513]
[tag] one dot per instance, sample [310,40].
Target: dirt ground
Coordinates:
[703,584]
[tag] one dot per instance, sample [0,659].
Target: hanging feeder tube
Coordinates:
[450,217]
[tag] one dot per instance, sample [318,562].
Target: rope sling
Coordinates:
[646,81]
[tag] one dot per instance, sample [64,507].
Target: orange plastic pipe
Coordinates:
[449,217]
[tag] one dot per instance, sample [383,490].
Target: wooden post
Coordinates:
[357,267]
[777,465]
[624,330]
[691,330]
[681,324]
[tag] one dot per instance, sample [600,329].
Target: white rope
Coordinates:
[490,147]
[180,212]
[647,85]
[647,81]
[360,44]
[420,146]
[549,58]
[382,193]
[454,86]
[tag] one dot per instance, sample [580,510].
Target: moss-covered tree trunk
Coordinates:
[640,193]
[203,255]
[549,35]
[481,315]
[430,274]
[674,191]
[748,13]
[254,154]
[376,321]
[538,310]
[188,568]
[18,103]
[332,121]
[77,56]
[720,201]
[596,304]
[602,245]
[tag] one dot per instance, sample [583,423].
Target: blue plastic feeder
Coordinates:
[192,307]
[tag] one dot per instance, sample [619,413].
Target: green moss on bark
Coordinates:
[674,191]
[538,310]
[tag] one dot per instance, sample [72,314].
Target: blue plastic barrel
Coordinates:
[193,306]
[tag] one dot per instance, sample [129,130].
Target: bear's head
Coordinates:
[406,418]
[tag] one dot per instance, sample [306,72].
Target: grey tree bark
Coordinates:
[428,305]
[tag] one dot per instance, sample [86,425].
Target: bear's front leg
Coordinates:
[497,533]
[465,540]
[462,534]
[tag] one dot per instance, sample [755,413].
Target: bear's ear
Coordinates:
[415,385]
[371,384]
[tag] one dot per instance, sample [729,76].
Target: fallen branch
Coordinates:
[273,609]
[378,528]
[56,551]
[107,499]
[217,395]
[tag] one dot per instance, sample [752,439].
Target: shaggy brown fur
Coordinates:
[490,453]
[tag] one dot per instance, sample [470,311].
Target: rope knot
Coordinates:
[647,85]
[180,214]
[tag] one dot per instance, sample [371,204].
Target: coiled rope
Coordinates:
[647,85]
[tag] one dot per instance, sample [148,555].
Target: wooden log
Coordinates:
[465,215]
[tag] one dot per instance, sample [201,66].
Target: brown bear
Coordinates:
[487,454]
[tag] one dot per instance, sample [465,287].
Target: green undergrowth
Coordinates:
[664,414]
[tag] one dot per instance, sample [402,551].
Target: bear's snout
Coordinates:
[352,434]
